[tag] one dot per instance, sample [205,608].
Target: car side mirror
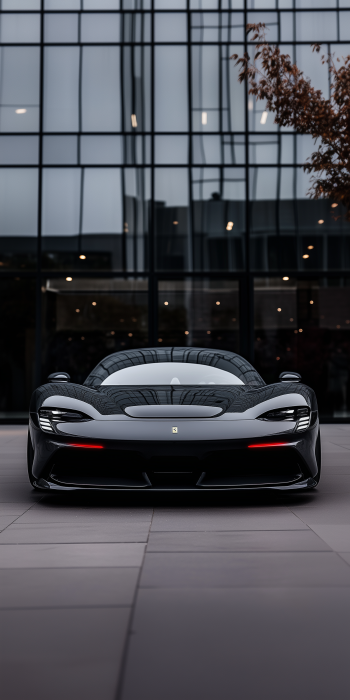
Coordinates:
[290,377]
[58,377]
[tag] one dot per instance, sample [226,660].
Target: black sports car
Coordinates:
[174,418]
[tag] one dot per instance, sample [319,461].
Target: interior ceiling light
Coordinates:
[334,205]
[264,117]
[306,256]
[82,257]
[250,105]
[130,335]
[229,226]
[208,332]
[310,247]
[291,319]
[175,223]
[300,330]
[94,303]
[285,279]
[204,117]
[77,311]
[166,303]
[21,111]
[279,309]
[320,221]
[133,121]
[160,340]
[69,279]
[187,332]
[311,302]
[217,303]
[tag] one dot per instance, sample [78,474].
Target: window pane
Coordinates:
[137,88]
[170,4]
[16,186]
[263,149]
[171,216]
[313,321]
[112,316]
[218,218]
[205,88]
[136,27]
[170,26]
[233,95]
[62,4]
[19,88]
[171,149]
[59,150]
[199,313]
[102,201]
[20,5]
[20,29]
[19,150]
[316,26]
[17,346]
[61,28]
[101,4]
[61,201]
[101,150]
[18,224]
[61,88]
[100,28]
[171,94]
[101,88]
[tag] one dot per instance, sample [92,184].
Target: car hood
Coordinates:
[113,400]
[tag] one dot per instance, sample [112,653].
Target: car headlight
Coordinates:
[300,415]
[49,417]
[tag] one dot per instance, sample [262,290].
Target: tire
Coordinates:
[30,460]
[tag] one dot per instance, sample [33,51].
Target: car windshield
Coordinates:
[173,373]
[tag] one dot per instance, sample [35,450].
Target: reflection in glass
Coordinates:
[171,219]
[171,94]
[199,313]
[102,213]
[171,149]
[61,28]
[60,150]
[100,28]
[20,28]
[170,26]
[18,224]
[19,150]
[218,218]
[101,88]
[17,346]
[298,321]
[61,94]
[19,88]
[87,319]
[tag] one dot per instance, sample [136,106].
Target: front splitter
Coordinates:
[44,485]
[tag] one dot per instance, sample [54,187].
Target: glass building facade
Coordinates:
[147,199]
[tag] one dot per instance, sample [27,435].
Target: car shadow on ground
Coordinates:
[178,499]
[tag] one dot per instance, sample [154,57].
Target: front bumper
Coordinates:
[65,463]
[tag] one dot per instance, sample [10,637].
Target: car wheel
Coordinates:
[30,460]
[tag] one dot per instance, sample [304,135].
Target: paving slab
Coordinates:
[26,556]
[251,569]
[219,643]
[67,588]
[60,654]
[73,532]
[235,518]
[242,541]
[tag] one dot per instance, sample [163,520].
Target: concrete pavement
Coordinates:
[190,596]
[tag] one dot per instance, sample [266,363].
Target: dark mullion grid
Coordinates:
[152,279]
[38,294]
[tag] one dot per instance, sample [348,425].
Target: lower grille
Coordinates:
[217,469]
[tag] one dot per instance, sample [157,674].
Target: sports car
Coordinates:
[171,419]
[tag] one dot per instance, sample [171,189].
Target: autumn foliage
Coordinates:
[287,93]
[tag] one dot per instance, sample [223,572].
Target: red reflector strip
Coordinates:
[92,447]
[270,444]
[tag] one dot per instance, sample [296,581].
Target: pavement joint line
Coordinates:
[124,656]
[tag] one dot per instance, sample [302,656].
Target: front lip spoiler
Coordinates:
[44,485]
